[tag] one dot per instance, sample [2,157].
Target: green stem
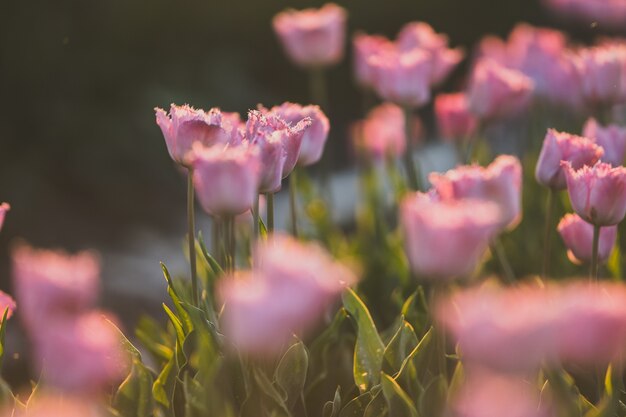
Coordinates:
[191,236]
[232,242]
[594,253]
[548,233]
[269,197]
[317,88]
[293,203]
[409,164]
[498,248]
[255,217]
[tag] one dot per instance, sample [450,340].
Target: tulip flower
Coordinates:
[4,207]
[606,13]
[600,71]
[559,146]
[447,239]
[577,235]
[365,47]
[382,132]
[312,37]
[7,303]
[611,138]
[454,119]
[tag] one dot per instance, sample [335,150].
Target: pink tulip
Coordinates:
[447,239]
[314,137]
[4,207]
[454,118]
[559,146]
[184,126]
[288,290]
[6,304]
[577,235]
[226,179]
[53,283]
[598,193]
[420,35]
[382,133]
[500,182]
[600,71]
[365,47]
[495,91]
[279,145]
[612,138]
[312,37]
[403,77]
[82,354]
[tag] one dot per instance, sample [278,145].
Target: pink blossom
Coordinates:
[314,137]
[600,70]
[184,126]
[287,291]
[612,138]
[500,182]
[403,77]
[226,179]
[420,35]
[577,235]
[609,13]
[382,132]
[495,91]
[53,283]
[366,46]
[6,304]
[4,207]
[82,354]
[560,146]
[598,193]
[312,37]
[453,115]
[54,405]
[447,239]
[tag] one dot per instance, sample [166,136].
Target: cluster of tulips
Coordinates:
[414,310]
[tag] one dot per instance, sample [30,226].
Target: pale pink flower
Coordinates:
[226,179]
[287,291]
[314,137]
[312,37]
[420,35]
[382,132]
[597,193]
[577,235]
[453,115]
[53,283]
[560,146]
[403,77]
[500,182]
[7,303]
[447,239]
[82,354]
[612,138]
[279,144]
[495,91]
[366,46]
[600,70]
[184,126]
[4,207]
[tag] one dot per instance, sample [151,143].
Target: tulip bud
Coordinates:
[4,207]
[382,133]
[454,118]
[577,235]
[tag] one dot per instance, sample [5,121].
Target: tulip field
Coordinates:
[493,287]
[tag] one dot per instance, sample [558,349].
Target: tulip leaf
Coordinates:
[614,264]
[356,406]
[213,264]
[399,403]
[183,317]
[163,386]
[3,330]
[377,407]
[291,372]
[332,408]
[134,396]
[432,401]
[369,349]
[399,347]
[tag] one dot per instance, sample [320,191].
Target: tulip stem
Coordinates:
[270,212]
[293,203]
[548,233]
[409,164]
[255,217]
[498,248]
[317,86]
[191,236]
[232,243]
[594,253]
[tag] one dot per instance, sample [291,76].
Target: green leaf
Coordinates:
[277,403]
[415,311]
[369,349]
[356,407]
[377,407]
[400,346]
[433,400]
[3,330]
[163,386]
[415,369]
[134,396]
[398,402]
[291,372]
[7,399]
[183,317]
[213,264]
[332,408]
[614,263]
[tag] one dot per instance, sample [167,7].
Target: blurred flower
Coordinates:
[7,303]
[382,132]
[420,35]
[53,283]
[597,193]
[600,71]
[279,145]
[286,293]
[314,137]
[495,91]
[366,46]
[446,239]
[226,178]
[54,405]
[500,182]
[560,146]
[82,354]
[611,13]
[454,118]
[185,125]
[577,235]
[612,138]
[4,207]
[312,37]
